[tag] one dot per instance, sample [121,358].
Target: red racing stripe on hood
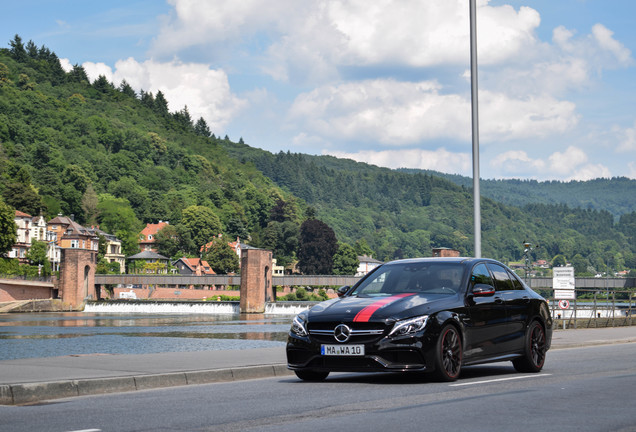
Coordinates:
[365,314]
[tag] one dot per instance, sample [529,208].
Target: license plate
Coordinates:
[342,350]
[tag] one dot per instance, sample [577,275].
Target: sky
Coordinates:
[385,82]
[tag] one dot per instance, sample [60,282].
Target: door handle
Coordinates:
[498,300]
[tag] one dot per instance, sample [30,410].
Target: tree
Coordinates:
[118,218]
[201,223]
[559,261]
[201,128]
[37,256]
[221,257]
[17,49]
[23,197]
[345,261]
[168,242]
[8,228]
[317,247]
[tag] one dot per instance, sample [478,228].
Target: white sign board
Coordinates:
[563,283]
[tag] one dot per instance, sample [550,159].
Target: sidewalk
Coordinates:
[32,380]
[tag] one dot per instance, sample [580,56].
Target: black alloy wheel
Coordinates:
[448,354]
[533,357]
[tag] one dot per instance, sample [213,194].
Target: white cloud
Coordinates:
[94,70]
[590,172]
[311,40]
[604,37]
[66,64]
[403,113]
[627,140]
[385,111]
[517,164]
[572,164]
[565,163]
[438,160]
[206,92]
[504,118]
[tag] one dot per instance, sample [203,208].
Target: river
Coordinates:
[29,335]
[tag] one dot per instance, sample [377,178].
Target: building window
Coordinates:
[75,244]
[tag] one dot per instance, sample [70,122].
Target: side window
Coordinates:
[516,283]
[480,275]
[502,280]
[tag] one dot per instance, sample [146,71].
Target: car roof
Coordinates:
[460,260]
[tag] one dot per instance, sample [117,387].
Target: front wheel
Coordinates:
[534,350]
[448,354]
[309,375]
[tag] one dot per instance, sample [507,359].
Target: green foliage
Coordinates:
[8,228]
[221,257]
[201,224]
[301,294]
[345,261]
[317,247]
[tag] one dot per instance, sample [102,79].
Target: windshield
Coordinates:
[412,277]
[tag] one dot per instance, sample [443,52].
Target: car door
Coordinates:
[514,304]
[487,326]
[518,309]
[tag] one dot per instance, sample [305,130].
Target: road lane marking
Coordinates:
[497,380]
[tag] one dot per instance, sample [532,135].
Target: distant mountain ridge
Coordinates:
[616,195]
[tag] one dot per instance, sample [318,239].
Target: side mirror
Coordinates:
[483,290]
[342,290]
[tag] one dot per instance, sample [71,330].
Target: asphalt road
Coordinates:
[580,389]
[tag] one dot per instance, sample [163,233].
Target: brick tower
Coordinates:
[77,276]
[256,280]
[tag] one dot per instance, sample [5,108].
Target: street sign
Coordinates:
[564,304]
[563,283]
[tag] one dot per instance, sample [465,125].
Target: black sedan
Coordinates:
[428,314]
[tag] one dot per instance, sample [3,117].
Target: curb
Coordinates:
[20,394]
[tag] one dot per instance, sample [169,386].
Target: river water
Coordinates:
[29,335]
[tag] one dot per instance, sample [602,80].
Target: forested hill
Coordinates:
[616,195]
[403,214]
[119,159]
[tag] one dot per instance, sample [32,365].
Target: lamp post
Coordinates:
[475,129]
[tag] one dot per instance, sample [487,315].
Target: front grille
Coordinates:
[360,332]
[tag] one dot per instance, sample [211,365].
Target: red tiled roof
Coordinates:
[18,213]
[152,230]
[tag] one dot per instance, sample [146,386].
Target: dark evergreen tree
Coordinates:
[201,128]
[317,247]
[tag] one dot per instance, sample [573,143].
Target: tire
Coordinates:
[309,375]
[448,354]
[534,350]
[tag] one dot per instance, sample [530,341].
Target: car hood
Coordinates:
[373,309]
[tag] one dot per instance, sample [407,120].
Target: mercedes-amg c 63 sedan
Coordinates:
[428,314]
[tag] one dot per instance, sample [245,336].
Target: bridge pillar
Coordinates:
[256,280]
[77,276]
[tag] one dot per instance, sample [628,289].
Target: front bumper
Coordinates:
[383,355]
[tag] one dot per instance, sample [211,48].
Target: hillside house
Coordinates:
[366,265]
[113,248]
[193,266]
[148,234]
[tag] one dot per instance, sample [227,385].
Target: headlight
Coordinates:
[298,326]
[409,326]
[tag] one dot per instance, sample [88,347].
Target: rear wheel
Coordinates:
[448,354]
[534,351]
[309,375]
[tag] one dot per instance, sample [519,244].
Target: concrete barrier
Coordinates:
[35,392]
[105,385]
[145,382]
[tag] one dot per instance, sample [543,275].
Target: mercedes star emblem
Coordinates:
[342,333]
